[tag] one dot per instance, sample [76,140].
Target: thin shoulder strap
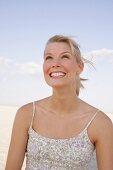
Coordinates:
[92,118]
[33,113]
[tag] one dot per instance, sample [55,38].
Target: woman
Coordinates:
[61,132]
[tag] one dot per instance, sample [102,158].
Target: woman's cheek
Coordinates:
[45,68]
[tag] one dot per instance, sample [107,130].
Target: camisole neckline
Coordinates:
[38,135]
[85,130]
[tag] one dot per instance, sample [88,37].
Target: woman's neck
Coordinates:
[64,101]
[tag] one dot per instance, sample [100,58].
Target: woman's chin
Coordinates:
[56,85]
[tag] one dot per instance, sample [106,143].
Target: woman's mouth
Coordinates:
[57,74]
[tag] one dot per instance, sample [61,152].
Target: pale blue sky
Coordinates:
[26,25]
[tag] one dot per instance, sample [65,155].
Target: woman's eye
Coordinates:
[65,56]
[48,57]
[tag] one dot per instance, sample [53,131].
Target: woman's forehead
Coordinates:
[57,46]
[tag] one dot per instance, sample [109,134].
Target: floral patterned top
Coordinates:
[59,154]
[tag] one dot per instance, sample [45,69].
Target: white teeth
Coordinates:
[57,74]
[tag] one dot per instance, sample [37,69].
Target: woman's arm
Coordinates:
[104,143]
[18,142]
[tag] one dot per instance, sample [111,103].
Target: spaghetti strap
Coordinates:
[33,113]
[92,119]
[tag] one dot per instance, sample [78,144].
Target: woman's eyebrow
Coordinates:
[47,53]
[61,53]
[66,52]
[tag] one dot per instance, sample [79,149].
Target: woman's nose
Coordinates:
[56,63]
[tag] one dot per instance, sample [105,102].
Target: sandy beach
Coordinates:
[7,114]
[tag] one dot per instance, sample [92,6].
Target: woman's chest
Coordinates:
[59,127]
[73,152]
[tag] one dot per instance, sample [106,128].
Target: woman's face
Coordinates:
[60,66]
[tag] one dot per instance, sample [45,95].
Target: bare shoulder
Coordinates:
[24,114]
[103,120]
[103,126]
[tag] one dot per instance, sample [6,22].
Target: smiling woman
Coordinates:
[59,51]
[61,132]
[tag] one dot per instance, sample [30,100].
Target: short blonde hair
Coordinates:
[75,50]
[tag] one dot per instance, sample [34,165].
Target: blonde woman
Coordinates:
[61,132]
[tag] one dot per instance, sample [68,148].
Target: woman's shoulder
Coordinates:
[103,126]
[104,121]
[101,120]
[104,116]
[25,107]
[101,123]
[24,115]
[101,117]
[25,112]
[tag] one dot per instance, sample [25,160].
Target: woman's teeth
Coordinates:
[57,74]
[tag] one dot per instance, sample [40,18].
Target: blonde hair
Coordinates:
[75,50]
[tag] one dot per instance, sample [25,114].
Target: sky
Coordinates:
[25,27]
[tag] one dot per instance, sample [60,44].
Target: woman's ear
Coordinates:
[80,68]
